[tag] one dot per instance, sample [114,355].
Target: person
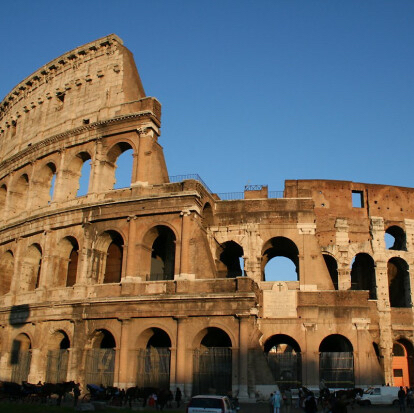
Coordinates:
[310,404]
[287,400]
[178,397]
[276,401]
[401,399]
[271,403]
[76,394]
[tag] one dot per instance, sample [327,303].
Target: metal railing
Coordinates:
[196,177]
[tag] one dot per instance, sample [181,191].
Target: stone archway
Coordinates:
[284,358]
[153,362]
[336,361]
[21,357]
[100,359]
[402,363]
[57,358]
[212,363]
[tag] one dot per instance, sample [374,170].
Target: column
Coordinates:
[243,357]
[181,378]
[125,362]
[185,243]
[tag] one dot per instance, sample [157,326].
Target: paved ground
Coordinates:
[264,408]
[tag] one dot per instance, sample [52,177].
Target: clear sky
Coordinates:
[253,92]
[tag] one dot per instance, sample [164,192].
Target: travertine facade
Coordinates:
[144,286]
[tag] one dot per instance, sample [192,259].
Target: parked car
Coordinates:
[211,404]
[380,395]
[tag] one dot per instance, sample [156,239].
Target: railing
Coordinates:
[232,196]
[196,177]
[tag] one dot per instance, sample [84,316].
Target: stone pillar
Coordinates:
[147,137]
[36,370]
[76,364]
[310,356]
[185,243]
[344,279]
[182,370]
[131,253]
[243,394]
[125,362]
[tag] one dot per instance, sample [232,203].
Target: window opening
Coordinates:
[357,199]
[123,172]
[84,178]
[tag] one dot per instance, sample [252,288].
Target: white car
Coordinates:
[380,395]
[210,404]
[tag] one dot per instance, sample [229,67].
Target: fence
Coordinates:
[153,367]
[100,365]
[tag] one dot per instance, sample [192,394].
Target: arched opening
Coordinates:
[6,271]
[395,238]
[163,254]
[403,363]
[363,275]
[230,258]
[117,170]
[3,196]
[31,268]
[336,361]
[100,359]
[114,257]
[57,358]
[280,260]
[85,173]
[283,356]
[19,195]
[43,185]
[123,172]
[212,363]
[207,216]
[399,283]
[332,267]
[68,252]
[153,364]
[20,358]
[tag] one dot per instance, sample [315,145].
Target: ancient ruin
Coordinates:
[164,283]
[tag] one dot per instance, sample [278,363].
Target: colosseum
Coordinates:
[163,283]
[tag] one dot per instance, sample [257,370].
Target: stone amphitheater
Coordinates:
[163,283]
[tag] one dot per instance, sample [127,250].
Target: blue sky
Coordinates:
[253,92]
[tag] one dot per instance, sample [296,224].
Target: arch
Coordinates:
[31,268]
[84,175]
[123,165]
[230,258]
[114,258]
[280,247]
[6,272]
[113,169]
[403,363]
[20,358]
[76,175]
[332,267]
[153,362]
[43,184]
[100,359]
[363,274]
[212,362]
[398,237]
[57,357]
[283,356]
[19,192]
[336,361]
[399,283]
[161,241]
[3,197]
[207,215]
[68,254]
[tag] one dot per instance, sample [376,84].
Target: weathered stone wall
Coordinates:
[125,270]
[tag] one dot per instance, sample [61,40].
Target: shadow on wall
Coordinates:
[19,314]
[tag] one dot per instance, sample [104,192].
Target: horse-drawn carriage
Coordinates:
[109,395]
